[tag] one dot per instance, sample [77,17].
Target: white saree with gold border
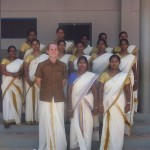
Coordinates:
[132,49]
[88,50]
[65,59]
[76,60]
[32,93]
[114,117]
[126,65]
[29,51]
[99,65]
[12,92]
[109,49]
[69,46]
[82,103]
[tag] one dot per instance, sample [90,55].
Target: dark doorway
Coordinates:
[73,31]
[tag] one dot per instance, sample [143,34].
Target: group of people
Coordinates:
[72,79]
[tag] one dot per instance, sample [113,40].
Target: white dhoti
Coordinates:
[51,126]
[65,59]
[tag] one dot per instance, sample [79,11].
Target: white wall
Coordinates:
[105,16]
[130,19]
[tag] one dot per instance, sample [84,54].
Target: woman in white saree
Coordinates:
[72,65]
[31,89]
[104,36]
[29,51]
[132,49]
[87,48]
[114,98]
[31,35]
[99,65]
[64,58]
[12,90]
[82,98]
[100,57]
[128,65]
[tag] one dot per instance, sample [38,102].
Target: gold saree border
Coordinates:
[124,117]
[107,132]
[15,102]
[33,101]
[121,87]
[11,82]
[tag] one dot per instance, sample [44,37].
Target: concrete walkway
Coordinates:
[25,137]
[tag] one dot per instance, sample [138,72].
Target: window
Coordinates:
[73,31]
[17,27]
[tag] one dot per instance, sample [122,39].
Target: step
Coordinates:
[17,140]
[19,129]
[25,137]
[137,141]
[20,149]
[30,141]
[142,117]
[141,128]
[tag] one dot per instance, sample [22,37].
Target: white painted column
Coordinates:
[129,20]
[126,16]
[145,56]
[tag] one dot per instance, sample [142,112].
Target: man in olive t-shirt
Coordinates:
[51,76]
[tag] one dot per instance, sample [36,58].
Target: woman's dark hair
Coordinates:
[122,33]
[85,36]
[31,30]
[8,49]
[79,42]
[124,40]
[59,41]
[82,58]
[60,28]
[104,41]
[99,37]
[36,41]
[114,56]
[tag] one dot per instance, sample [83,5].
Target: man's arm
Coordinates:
[38,75]
[65,75]
[38,81]
[64,82]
